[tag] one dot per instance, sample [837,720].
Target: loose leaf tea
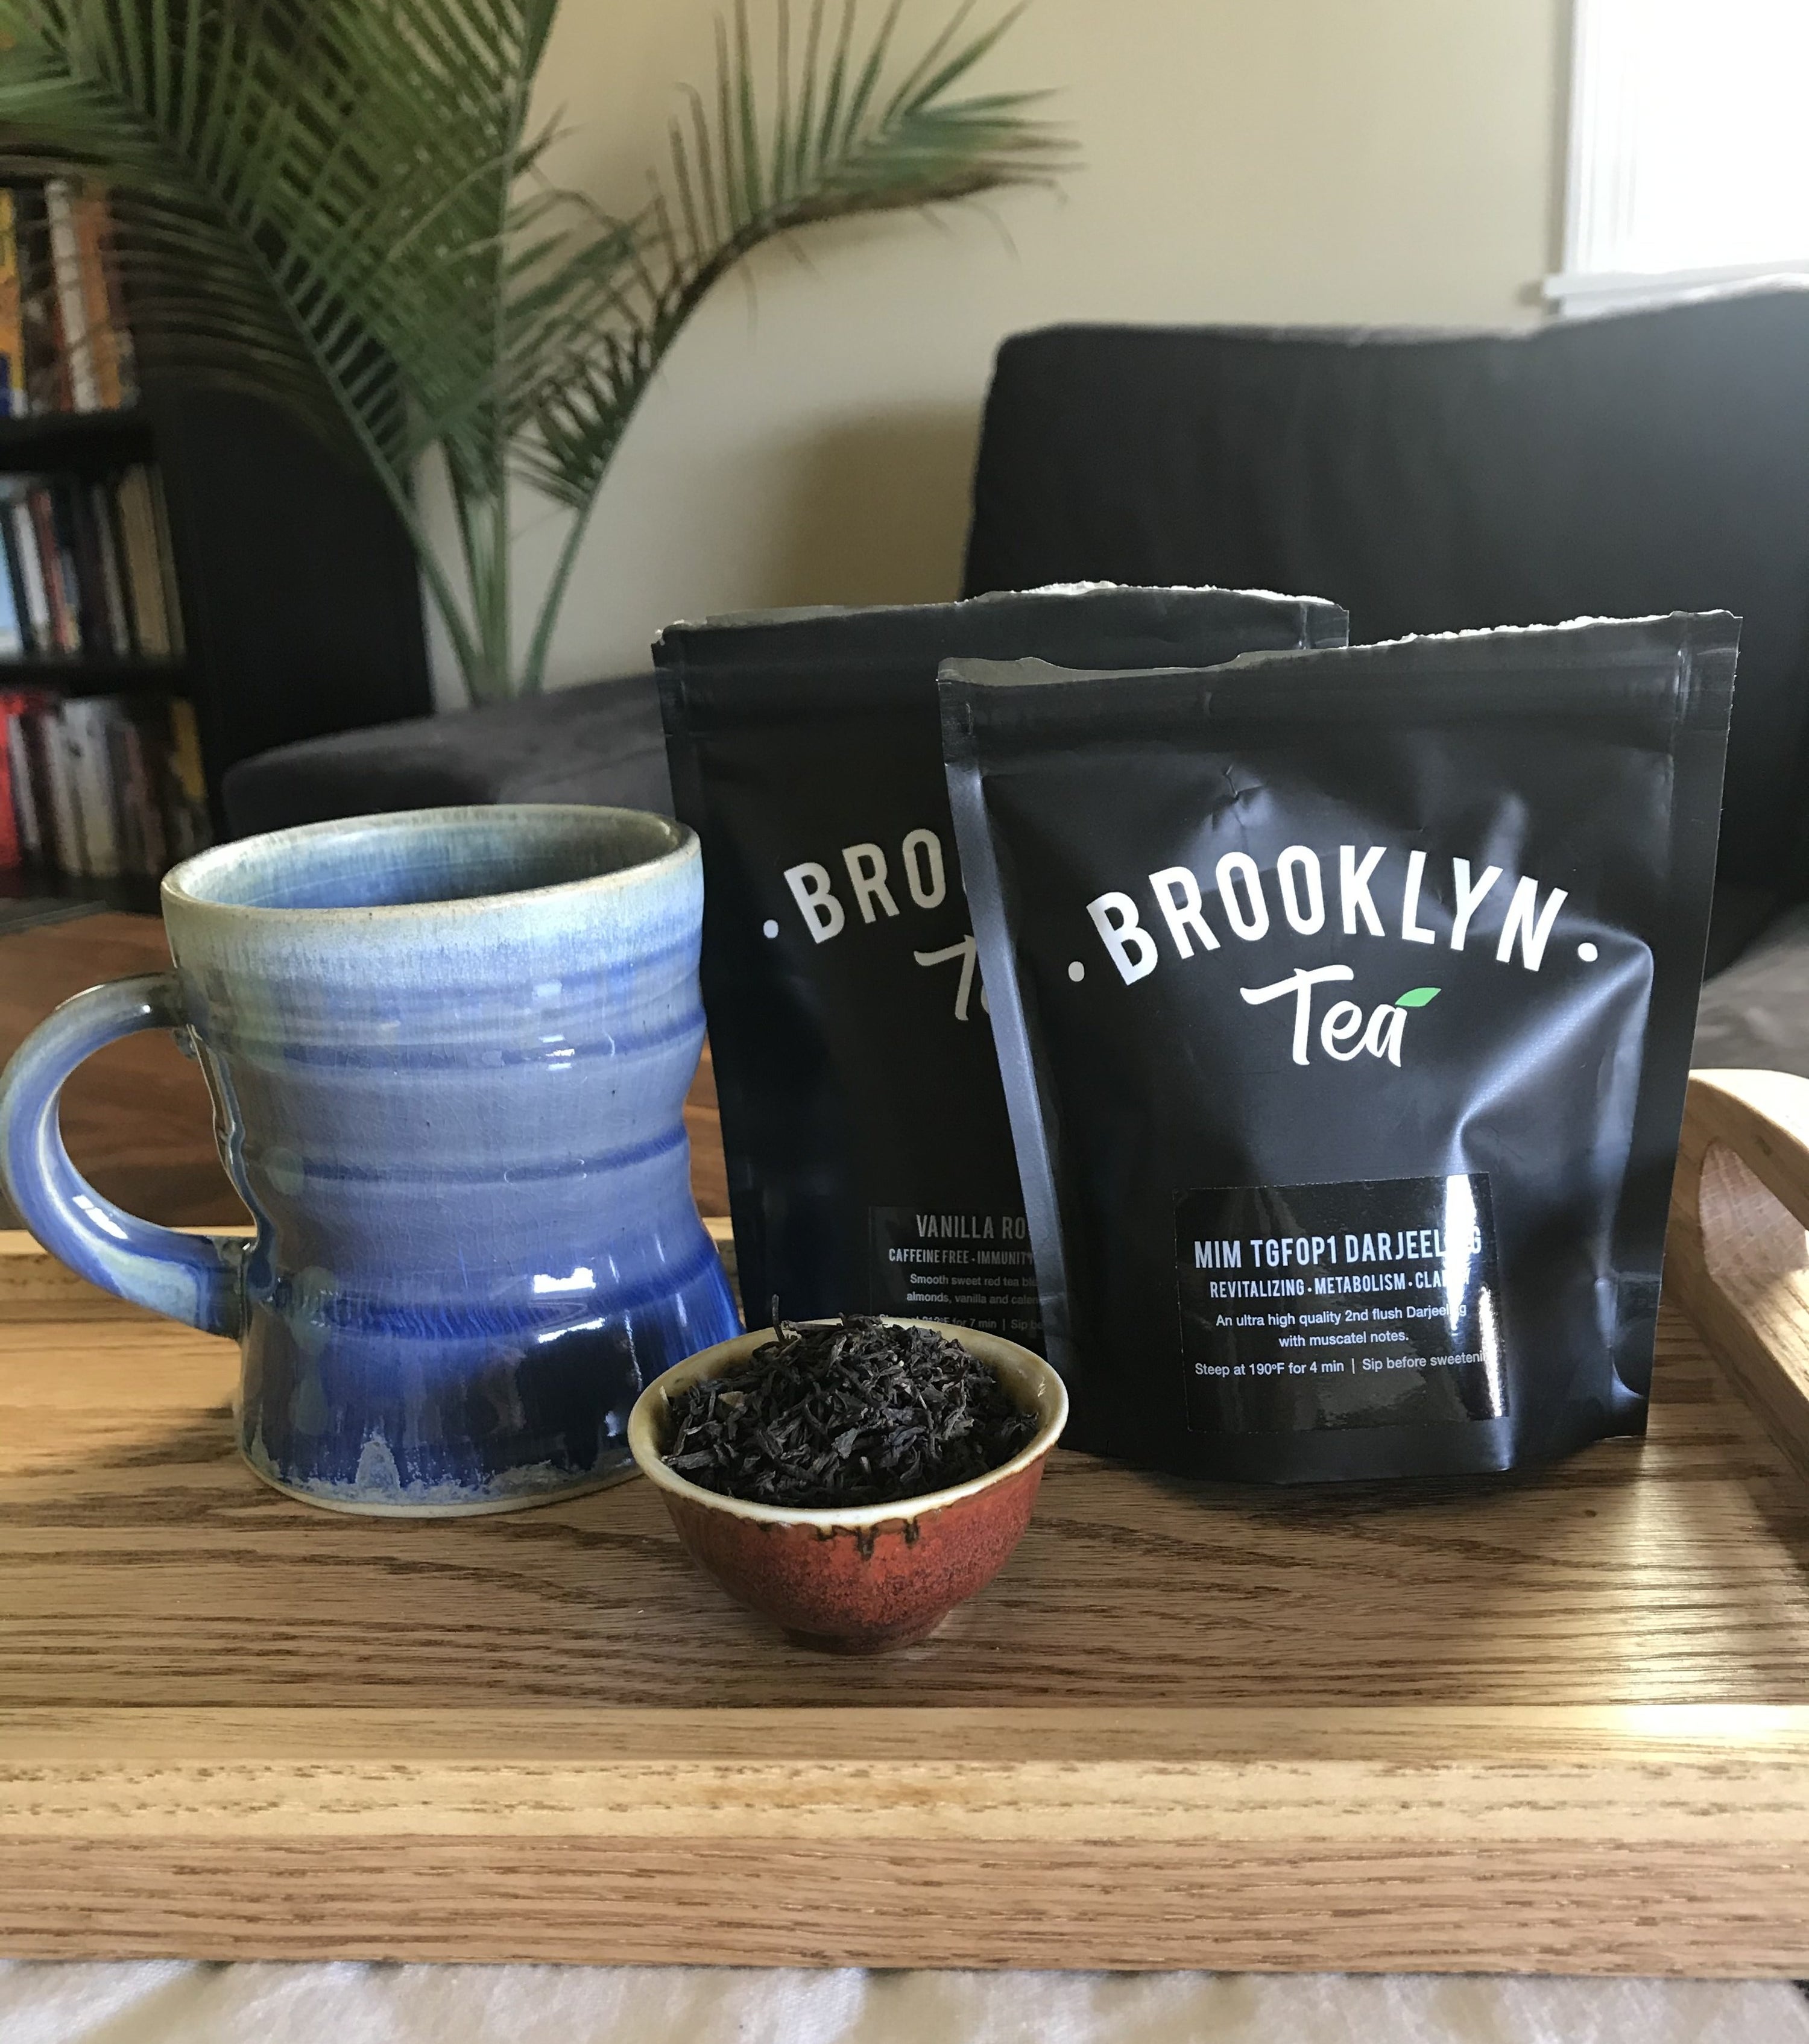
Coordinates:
[1344,1003]
[870,1160]
[858,1412]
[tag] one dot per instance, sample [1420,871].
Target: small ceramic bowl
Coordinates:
[865,1579]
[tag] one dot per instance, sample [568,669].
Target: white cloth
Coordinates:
[182,2003]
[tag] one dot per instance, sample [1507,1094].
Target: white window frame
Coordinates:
[1597,195]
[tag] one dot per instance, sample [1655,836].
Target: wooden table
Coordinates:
[1552,1722]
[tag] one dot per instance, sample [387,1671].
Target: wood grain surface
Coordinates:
[1739,1256]
[1555,1721]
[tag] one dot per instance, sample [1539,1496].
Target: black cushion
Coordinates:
[1651,461]
[602,742]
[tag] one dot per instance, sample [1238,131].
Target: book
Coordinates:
[97,786]
[84,722]
[25,818]
[21,838]
[157,858]
[12,629]
[46,370]
[186,783]
[85,567]
[29,727]
[143,573]
[167,561]
[128,808]
[104,522]
[90,221]
[141,823]
[12,842]
[74,516]
[35,507]
[40,331]
[33,586]
[65,341]
[13,402]
[125,351]
[15,570]
[58,568]
[56,793]
[59,200]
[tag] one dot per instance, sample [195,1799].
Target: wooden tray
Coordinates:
[1558,1722]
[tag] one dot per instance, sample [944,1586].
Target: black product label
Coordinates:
[1371,1304]
[972,1269]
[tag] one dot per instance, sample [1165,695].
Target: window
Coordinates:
[1689,150]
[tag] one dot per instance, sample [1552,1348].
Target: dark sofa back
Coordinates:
[1651,461]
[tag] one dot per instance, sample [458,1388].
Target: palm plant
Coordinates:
[342,205]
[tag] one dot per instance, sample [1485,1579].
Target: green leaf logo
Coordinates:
[1416,997]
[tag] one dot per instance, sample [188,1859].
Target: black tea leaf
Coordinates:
[857,1411]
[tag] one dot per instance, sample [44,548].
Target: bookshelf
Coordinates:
[299,593]
[76,438]
[190,579]
[92,673]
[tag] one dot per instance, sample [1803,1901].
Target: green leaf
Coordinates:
[340,205]
[1416,997]
[869,153]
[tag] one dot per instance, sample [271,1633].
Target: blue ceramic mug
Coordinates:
[448,1052]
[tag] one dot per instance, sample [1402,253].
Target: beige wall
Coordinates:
[812,437]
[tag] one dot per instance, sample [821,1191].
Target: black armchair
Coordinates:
[1651,461]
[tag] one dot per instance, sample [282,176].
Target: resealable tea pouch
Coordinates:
[870,1159]
[1344,1003]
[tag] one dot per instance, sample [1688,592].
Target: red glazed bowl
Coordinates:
[866,1579]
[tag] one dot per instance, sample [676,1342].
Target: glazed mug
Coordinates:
[448,1052]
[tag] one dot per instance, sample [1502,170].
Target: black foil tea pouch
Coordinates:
[1344,1003]
[869,1157]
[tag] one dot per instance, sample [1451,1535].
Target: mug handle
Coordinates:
[195,1278]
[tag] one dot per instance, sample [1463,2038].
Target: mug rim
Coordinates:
[177,883]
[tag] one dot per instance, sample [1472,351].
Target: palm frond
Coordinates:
[310,178]
[315,197]
[849,129]
[339,203]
